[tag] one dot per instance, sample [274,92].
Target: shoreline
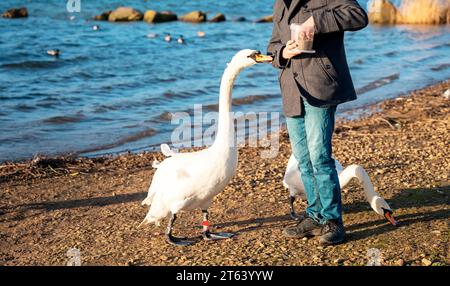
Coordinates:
[51,205]
[351,114]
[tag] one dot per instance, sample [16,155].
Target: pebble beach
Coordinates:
[51,204]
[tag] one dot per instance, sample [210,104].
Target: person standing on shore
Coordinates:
[312,85]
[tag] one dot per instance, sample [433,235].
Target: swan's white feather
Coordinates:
[188,181]
[165,149]
[293,182]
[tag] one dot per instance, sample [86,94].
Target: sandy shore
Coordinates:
[50,205]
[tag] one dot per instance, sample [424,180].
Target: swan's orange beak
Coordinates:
[260,58]
[389,217]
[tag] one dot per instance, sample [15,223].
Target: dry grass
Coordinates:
[409,12]
[424,12]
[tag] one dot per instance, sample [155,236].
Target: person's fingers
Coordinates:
[291,46]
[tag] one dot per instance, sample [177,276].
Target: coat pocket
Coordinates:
[319,81]
[326,66]
[324,69]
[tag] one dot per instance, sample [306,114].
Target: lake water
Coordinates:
[111,90]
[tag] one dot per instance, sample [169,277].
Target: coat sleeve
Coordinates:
[276,46]
[338,16]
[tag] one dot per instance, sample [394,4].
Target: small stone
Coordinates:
[125,14]
[399,262]
[152,16]
[339,260]
[163,258]
[218,18]
[194,17]
[447,94]
[103,16]
[240,19]
[266,19]
[426,262]
[16,13]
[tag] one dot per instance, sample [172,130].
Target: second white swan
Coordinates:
[293,183]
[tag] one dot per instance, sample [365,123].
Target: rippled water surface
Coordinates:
[111,90]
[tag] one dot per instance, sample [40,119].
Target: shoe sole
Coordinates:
[311,233]
[329,243]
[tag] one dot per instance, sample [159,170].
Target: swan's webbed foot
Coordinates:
[178,241]
[207,235]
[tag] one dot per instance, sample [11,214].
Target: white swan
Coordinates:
[293,182]
[189,181]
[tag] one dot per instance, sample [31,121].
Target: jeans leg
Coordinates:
[319,126]
[297,137]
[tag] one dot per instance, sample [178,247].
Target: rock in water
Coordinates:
[266,19]
[382,12]
[194,17]
[240,19]
[218,18]
[152,16]
[125,14]
[16,13]
[103,16]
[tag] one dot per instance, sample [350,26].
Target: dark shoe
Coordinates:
[333,232]
[306,228]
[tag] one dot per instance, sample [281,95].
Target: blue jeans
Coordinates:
[310,135]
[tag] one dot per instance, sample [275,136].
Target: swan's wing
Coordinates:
[165,149]
[156,164]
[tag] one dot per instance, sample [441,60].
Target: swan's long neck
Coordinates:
[225,129]
[357,171]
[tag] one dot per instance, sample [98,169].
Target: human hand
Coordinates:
[289,50]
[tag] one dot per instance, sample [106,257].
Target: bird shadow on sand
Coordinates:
[405,199]
[23,209]
[419,199]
